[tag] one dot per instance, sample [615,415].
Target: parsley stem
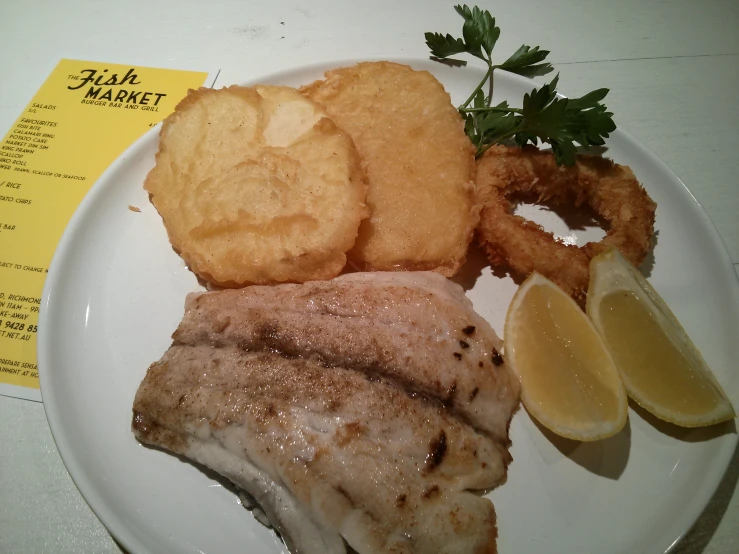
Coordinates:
[478,87]
[481,148]
[490,86]
[508,135]
[491,109]
[543,117]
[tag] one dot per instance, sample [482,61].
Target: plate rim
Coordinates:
[126,536]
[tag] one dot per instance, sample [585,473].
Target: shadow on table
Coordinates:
[120,546]
[472,268]
[606,457]
[699,434]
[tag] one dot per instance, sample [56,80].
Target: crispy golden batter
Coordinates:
[611,190]
[257,185]
[418,161]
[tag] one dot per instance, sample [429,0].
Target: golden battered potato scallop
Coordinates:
[257,185]
[419,165]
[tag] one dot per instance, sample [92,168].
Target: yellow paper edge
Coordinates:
[82,118]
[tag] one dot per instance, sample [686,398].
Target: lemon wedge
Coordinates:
[661,368]
[569,381]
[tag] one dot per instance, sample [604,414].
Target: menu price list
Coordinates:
[26,137]
[82,118]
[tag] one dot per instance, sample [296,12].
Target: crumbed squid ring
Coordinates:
[611,190]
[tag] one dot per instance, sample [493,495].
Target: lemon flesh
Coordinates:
[569,380]
[660,366]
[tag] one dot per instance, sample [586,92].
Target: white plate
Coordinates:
[115,293]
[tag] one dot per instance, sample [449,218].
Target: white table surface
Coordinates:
[672,67]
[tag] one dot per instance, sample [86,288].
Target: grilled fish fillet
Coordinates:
[371,410]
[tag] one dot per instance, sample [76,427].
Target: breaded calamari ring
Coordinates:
[611,190]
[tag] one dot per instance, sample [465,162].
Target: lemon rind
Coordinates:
[611,266]
[588,433]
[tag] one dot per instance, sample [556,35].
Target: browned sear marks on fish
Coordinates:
[357,393]
[430,492]
[348,432]
[449,400]
[437,450]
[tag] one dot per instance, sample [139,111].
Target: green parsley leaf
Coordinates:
[544,116]
[563,122]
[444,46]
[525,62]
[479,31]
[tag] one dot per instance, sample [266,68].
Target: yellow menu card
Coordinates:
[81,119]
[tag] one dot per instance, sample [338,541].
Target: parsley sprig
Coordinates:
[544,116]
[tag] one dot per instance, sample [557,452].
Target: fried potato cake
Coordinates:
[257,185]
[419,165]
